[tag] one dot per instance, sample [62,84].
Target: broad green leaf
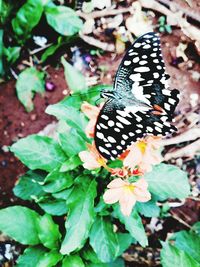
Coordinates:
[89,255]
[57,181]
[188,242]
[81,214]
[71,164]
[64,194]
[63,19]
[55,207]
[11,54]
[148,209]
[31,256]
[29,186]
[39,152]
[50,259]
[124,240]
[103,240]
[29,82]
[71,115]
[67,141]
[72,261]
[20,223]
[119,262]
[168,181]
[93,94]
[133,224]
[172,256]
[48,232]
[74,78]
[27,17]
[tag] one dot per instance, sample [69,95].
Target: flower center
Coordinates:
[129,187]
[142,146]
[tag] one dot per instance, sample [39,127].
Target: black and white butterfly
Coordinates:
[141,102]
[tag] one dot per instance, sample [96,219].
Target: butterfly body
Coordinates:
[140,103]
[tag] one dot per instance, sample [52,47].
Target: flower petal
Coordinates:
[142,195]
[126,202]
[117,183]
[89,160]
[112,195]
[133,158]
[89,110]
[141,183]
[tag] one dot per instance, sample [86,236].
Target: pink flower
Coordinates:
[92,159]
[92,113]
[127,194]
[144,154]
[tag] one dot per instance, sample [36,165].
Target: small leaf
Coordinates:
[57,181]
[27,17]
[188,242]
[172,256]
[39,152]
[50,259]
[74,78]
[67,141]
[133,224]
[28,186]
[63,19]
[71,164]
[31,256]
[71,115]
[64,194]
[55,207]
[26,90]
[103,240]
[89,255]
[11,54]
[81,214]
[148,209]
[48,232]
[20,223]
[72,261]
[168,181]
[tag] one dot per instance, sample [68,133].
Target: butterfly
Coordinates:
[140,103]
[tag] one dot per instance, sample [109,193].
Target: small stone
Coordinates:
[33,117]
[22,124]
[65,92]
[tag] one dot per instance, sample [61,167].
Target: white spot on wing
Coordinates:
[142,69]
[111,139]
[127,62]
[123,120]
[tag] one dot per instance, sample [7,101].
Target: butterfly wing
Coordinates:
[141,76]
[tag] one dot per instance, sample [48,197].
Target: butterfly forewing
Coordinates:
[140,85]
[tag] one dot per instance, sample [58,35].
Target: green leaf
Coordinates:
[31,256]
[124,240]
[20,223]
[89,255]
[28,186]
[72,261]
[188,242]
[172,256]
[63,19]
[67,141]
[168,181]
[50,259]
[71,164]
[11,54]
[27,17]
[55,207]
[48,232]
[81,214]
[39,152]
[103,240]
[93,93]
[57,181]
[64,194]
[119,262]
[133,224]
[71,115]
[148,209]
[196,228]
[26,90]
[74,78]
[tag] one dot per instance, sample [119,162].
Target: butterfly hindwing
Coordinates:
[140,85]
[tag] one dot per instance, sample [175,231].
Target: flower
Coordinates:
[92,113]
[92,159]
[127,194]
[144,154]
